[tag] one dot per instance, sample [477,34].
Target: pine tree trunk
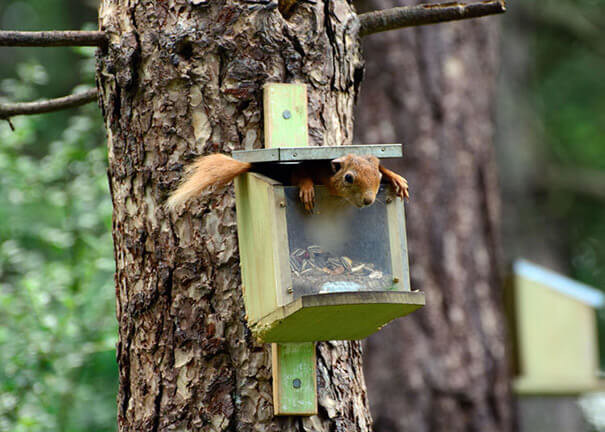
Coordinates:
[444,368]
[182,78]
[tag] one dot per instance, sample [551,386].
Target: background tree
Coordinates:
[443,368]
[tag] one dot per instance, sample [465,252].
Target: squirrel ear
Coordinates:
[337,164]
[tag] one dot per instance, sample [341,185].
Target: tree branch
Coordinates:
[52,38]
[581,181]
[408,16]
[8,110]
[565,20]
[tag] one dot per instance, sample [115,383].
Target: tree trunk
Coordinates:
[444,368]
[182,78]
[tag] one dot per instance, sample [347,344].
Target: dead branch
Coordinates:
[52,38]
[408,16]
[8,110]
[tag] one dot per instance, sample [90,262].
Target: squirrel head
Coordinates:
[356,179]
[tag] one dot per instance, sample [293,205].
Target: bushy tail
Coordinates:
[206,171]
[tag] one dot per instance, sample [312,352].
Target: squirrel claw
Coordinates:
[307,197]
[401,187]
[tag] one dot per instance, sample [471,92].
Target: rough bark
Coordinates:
[443,368]
[179,79]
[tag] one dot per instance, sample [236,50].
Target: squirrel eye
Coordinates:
[349,178]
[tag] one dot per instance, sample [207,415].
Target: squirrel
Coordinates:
[352,177]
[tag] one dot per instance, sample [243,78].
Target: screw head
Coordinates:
[389,200]
[296,383]
[282,204]
[286,114]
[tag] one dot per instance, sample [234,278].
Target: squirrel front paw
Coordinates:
[306,194]
[401,186]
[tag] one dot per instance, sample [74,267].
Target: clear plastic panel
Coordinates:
[338,248]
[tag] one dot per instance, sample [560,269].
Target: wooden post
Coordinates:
[294,378]
[293,364]
[285,110]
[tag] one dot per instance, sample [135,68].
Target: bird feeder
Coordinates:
[338,273]
[554,327]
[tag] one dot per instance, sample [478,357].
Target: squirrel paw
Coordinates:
[401,186]
[307,196]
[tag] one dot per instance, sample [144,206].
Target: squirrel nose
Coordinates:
[368,201]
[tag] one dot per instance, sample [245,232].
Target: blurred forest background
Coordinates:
[57,317]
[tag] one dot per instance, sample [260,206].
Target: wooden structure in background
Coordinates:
[555,331]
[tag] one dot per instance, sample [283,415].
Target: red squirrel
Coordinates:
[352,177]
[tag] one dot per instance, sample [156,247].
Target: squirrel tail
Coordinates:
[206,171]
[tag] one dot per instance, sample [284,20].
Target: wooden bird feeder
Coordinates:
[554,327]
[340,273]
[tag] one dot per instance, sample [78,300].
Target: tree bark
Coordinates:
[444,368]
[179,79]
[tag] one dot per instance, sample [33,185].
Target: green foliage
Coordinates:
[57,317]
[573,110]
[569,92]
[57,313]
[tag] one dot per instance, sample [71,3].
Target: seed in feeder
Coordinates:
[358,268]
[294,264]
[375,275]
[298,252]
[338,270]
[347,263]
[315,249]
[334,261]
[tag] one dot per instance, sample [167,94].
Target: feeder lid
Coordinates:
[291,154]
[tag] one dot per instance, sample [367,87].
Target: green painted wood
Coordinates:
[336,316]
[294,379]
[260,218]
[398,241]
[279,130]
[294,366]
[557,341]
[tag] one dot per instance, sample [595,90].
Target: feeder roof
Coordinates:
[557,282]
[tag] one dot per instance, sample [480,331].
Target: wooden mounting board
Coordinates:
[294,365]
[285,114]
[294,378]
